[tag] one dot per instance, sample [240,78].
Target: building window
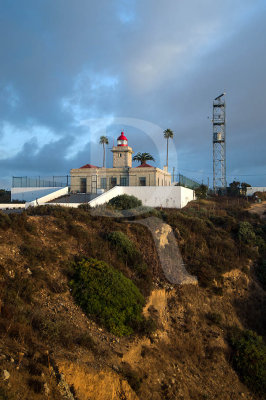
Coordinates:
[142,181]
[113,182]
[120,155]
[124,181]
[103,183]
[158,181]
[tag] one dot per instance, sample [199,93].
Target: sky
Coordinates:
[71,71]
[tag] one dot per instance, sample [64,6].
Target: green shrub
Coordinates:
[249,358]
[107,295]
[124,247]
[125,202]
[246,233]
[129,254]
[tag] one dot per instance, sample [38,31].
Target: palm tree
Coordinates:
[168,134]
[143,157]
[104,141]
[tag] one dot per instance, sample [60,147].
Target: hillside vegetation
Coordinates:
[84,299]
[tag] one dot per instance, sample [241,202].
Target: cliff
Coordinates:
[181,347]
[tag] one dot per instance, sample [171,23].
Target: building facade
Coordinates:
[92,179]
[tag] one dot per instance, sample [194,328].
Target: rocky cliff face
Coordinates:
[51,349]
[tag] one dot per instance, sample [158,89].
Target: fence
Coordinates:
[35,182]
[105,183]
[186,182]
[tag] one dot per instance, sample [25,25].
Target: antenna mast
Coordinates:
[219,150]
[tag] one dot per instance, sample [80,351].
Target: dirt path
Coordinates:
[259,208]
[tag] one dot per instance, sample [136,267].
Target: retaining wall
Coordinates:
[49,197]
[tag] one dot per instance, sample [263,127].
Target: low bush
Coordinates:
[125,202]
[261,273]
[36,384]
[77,231]
[36,254]
[5,221]
[246,233]
[249,358]
[84,207]
[107,295]
[214,318]
[134,380]
[124,247]
[131,256]
[58,330]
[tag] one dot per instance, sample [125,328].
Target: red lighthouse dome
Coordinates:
[122,140]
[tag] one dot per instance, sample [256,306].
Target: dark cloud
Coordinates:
[63,62]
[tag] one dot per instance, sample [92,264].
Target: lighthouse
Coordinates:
[122,153]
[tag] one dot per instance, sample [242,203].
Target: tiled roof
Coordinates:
[89,166]
[144,165]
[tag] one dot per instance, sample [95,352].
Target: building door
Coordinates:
[142,181]
[123,181]
[94,184]
[113,182]
[83,185]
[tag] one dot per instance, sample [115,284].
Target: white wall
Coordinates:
[48,197]
[30,194]
[253,189]
[151,196]
[9,206]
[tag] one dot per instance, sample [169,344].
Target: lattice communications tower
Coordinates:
[219,150]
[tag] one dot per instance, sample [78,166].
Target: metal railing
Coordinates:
[38,181]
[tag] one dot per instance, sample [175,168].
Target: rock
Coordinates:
[115,368]
[5,375]
[46,389]
[11,274]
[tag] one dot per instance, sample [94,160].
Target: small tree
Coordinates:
[244,187]
[234,188]
[201,191]
[143,157]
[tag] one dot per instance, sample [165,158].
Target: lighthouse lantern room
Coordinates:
[122,140]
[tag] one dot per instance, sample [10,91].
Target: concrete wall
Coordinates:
[49,197]
[12,206]
[151,196]
[253,189]
[29,193]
